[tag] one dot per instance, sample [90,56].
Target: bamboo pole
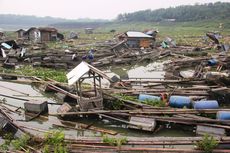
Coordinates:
[165,81]
[144,149]
[130,139]
[145,111]
[191,120]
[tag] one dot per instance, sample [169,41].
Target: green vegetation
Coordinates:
[54,140]
[7,141]
[114,141]
[126,97]
[156,103]
[207,144]
[114,104]
[20,142]
[180,13]
[44,73]
[184,33]
[17,144]
[5,146]
[151,102]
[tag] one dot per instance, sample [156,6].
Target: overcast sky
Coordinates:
[95,9]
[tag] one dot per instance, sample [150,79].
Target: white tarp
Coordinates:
[3,53]
[6,45]
[75,74]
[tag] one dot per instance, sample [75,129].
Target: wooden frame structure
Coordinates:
[88,99]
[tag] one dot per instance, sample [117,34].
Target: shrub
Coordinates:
[55,139]
[207,144]
[21,142]
[114,141]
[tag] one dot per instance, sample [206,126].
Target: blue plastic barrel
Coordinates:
[223,115]
[206,104]
[212,62]
[143,97]
[179,101]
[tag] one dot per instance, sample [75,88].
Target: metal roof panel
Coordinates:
[137,34]
[74,75]
[80,70]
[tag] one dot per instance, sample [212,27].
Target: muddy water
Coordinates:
[154,71]
[145,71]
[139,71]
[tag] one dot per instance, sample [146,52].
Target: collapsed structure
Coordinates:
[41,34]
[88,99]
[142,113]
[136,39]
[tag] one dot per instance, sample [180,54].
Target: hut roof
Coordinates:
[80,70]
[47,29]
[136,34]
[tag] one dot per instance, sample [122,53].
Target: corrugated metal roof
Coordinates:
[137,34]
[80,70]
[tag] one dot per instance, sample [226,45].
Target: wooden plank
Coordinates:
[202,130]
[145,111]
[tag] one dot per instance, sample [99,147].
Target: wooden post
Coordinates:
[94,84]
[80,92]
[100,85]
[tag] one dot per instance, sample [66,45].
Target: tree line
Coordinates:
[209,11]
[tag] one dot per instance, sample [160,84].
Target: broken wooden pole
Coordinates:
[145,112]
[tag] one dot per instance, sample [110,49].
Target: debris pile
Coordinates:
[193,96]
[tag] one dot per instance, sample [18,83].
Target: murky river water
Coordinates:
[154,70]
[144,71]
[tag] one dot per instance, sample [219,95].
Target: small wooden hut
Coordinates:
[21,33]
[137,39]
[88,99]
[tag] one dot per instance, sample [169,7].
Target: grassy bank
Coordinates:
[185,33]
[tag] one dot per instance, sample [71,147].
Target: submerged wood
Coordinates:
[51,86]
[146,112]
[81,126]
[13,122]
[145,149]
[147,140]
[192,120]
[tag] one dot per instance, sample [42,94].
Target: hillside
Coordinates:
[210,11]
[11,21]
[80,24]
[206,15]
